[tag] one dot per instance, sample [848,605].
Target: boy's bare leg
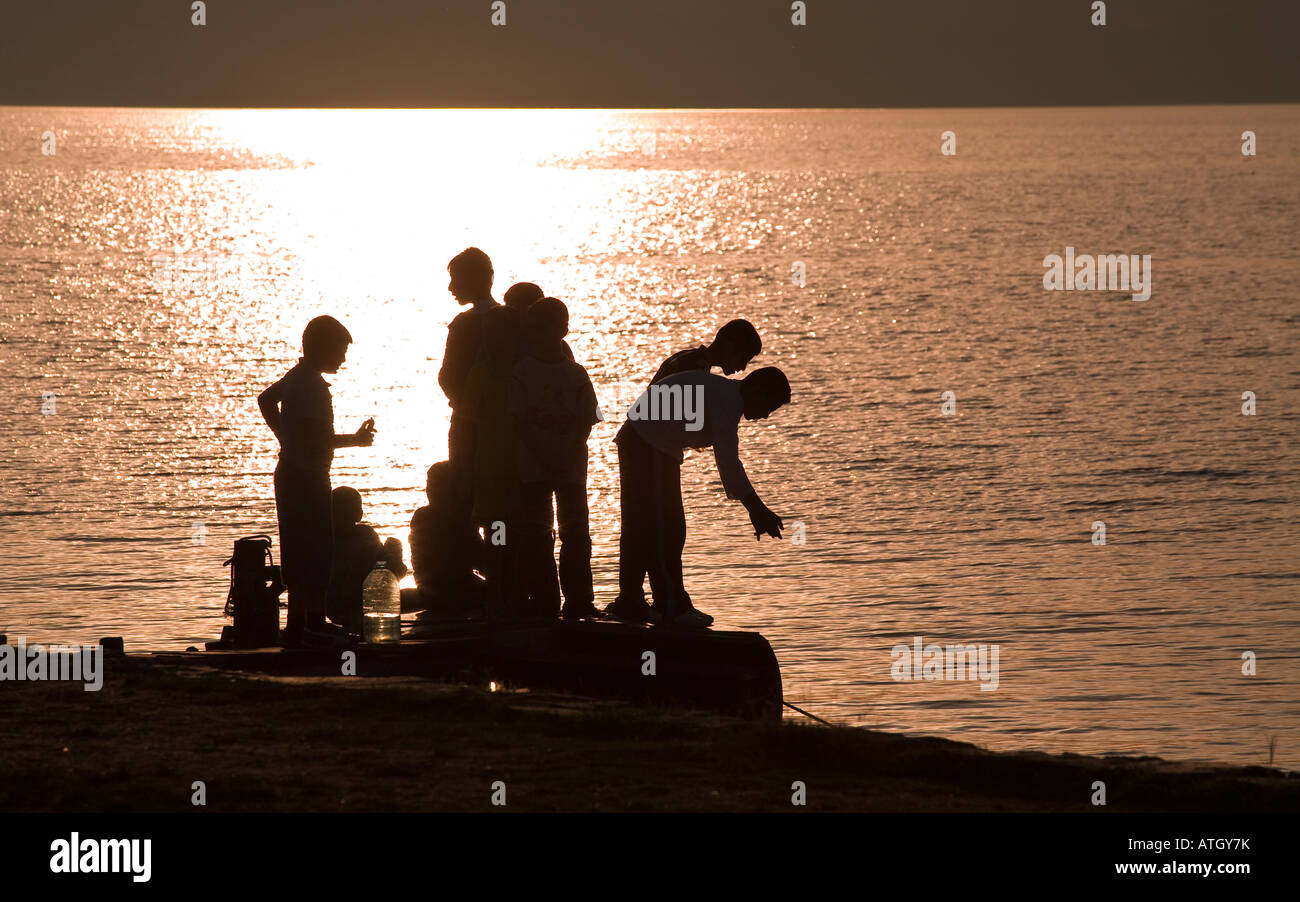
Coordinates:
[296,619]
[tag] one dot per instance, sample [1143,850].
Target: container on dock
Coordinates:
[381,601]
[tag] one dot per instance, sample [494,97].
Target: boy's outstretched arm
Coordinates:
[726,451]
[362,438]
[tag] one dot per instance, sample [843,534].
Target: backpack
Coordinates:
[254,596]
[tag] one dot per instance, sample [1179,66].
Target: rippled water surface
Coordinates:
[156,272]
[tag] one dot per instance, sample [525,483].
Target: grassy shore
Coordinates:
[336,744]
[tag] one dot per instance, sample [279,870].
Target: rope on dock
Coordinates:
[805,713]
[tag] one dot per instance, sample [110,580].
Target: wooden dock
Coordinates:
[732,673]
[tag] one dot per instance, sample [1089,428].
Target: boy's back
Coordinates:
[555,406]
[464,337]
[356,548]
[689,359]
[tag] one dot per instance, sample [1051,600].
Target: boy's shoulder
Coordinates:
[564,368]
[689,358]
[682,361]
[302,378]
[579,372]
[470,316]
[359,533]
[290,376]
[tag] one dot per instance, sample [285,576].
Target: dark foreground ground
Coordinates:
[337,744]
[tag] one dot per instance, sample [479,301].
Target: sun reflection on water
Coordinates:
[359,221]
[159,276]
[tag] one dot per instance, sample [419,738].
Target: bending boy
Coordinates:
[694,409]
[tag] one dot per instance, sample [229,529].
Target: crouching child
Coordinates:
[357,548]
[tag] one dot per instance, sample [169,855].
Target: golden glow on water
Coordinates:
[159,273]
[359,221]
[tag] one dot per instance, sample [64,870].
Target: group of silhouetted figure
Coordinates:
[516,474]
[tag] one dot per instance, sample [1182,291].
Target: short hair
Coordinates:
[345,501]
[741,335]
[522,295]
[438,479]
[548,310]
[470,262]
[439,472]
[323,332]
[771,383]
[446,489]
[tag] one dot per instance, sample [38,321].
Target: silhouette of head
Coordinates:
[438,481]
[547,320]
[522,295]
[346,502]
[764,390]
[471,276]
[737,343]
[325,343]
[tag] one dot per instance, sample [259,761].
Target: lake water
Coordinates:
[157,268]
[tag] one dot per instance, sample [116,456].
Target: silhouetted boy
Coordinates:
[733,347]
[693,409]
[471,283]
[300,412]
[356,550]
[491,473]
[445,550]
[554,406]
